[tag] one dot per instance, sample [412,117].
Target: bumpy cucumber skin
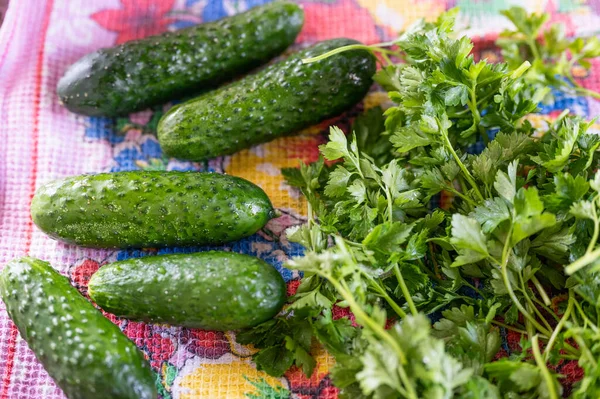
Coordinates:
[144,209]
[280,100]
[154,70]
[213,290]
[86,354]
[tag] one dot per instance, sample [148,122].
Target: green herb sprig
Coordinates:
[521,229]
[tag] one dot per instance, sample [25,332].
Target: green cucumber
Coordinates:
[86,354]
[211,290]
[280,100]
[139,209]
[151,71]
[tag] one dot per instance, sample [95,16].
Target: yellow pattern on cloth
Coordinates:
[392,13]
[222,380]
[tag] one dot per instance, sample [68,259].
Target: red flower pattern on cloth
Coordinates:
[513,340]
[317,386]
[328,392]
[336,16]
[339,312]
[158,345]
[80,275]
[292,287]
[206,344]
[573,373]
[309,151]
[137,18]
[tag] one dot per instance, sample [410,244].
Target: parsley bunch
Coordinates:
[520,232]
[552,54]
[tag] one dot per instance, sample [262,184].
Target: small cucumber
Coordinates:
[141,73]
[280,100]
[139,209]
[210,290]
[86,354]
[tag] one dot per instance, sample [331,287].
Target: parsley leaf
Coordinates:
[491,214]
[472,340]
[529,215]
[468,239]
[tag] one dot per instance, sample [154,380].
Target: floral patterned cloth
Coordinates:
[41,141]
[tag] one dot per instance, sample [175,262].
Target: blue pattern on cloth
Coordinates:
[100,128]
[253,245]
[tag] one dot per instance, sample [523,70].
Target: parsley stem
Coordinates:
[381,291]
[463,185]
[535,347]
[587,92]
[342,49]
[384,44]
[364,319]
[472,104]
[484,135]
[559,327]
[511,328]
[568,348]
[534,49]
[526,314]
[462,167]
[386,58]
[528,326]
[582,262]
[571,349]
[471,286]
[462,196]
[586,320]
[538,313]
[531,305]
[405,291]
[390,202]
[427,270]
[546,308]
[436,268]
[541,290]
[594,239]
[585,351]
[462,112]
[311,222]
[508,286]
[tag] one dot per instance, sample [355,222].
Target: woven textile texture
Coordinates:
[41,141]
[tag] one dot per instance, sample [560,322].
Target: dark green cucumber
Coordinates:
[280,100]
[86,354]
[140,209]
[211,290]
[154,70]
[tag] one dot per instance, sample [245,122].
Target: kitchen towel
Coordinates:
[40,141]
